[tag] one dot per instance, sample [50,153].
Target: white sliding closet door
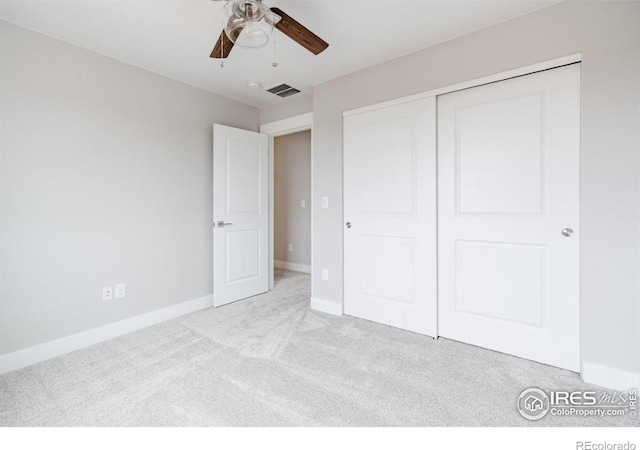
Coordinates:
[508,216]
[389,213]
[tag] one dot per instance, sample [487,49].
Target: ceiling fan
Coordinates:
[249,24]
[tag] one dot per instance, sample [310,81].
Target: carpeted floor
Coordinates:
[270,360]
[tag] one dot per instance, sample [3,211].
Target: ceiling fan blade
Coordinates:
[223,46]
[299,33]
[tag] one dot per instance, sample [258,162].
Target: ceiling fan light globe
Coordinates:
[249,23]
[249,34]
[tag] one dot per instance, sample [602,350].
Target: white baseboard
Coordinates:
[291,266]
[609,377]
[326,306]
[68,344]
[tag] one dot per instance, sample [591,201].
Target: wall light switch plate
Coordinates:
[325,274]
[325,202]
[107,293]
[303,203]
[290,247]
[120,290]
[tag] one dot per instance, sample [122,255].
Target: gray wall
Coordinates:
[296,105]
[608,35]
[292,183]
[105,177]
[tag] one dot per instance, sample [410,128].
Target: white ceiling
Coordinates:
[175,38]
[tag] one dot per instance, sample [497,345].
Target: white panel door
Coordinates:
[508,193]
[389,212]
[240,214]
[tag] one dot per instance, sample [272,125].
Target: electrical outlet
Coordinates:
[325,274]
[303,203]
[120,290]
[325,202]
[107,293]
[290,247]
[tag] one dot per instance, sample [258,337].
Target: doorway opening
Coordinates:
[292,202]
[296,132]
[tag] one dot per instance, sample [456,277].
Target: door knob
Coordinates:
[222,223]
[348,225]
[567,232]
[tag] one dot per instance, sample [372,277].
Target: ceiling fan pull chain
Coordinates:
[275,56]
[222,46]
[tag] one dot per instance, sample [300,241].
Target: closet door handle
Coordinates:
[567,232]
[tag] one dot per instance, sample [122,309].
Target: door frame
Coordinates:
[290,125]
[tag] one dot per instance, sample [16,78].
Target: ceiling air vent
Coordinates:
[283,90]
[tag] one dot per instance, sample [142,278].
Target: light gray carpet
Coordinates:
[270,360]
